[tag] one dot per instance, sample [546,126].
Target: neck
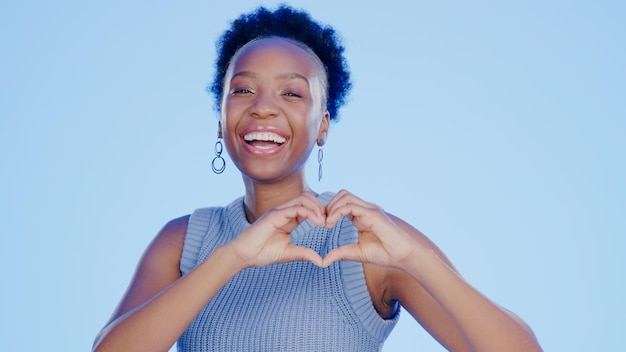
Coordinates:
[260,197]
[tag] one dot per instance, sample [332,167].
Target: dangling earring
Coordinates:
[218,164]
[320,158]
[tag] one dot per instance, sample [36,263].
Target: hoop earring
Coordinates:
[320,158]
[218,164]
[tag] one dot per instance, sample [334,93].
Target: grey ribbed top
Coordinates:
[295,306]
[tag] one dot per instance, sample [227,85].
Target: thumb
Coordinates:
[294,253]
[347,252]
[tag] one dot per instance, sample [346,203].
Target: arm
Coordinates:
[426,283]
[160,304]
[455,313]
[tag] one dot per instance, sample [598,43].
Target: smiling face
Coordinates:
[273,109]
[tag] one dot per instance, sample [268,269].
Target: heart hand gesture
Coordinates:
[267,240]
[382,241]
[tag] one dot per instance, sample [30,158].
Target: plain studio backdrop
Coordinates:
[496,128]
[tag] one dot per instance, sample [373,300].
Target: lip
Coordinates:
[266,150]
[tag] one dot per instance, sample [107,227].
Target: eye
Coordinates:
[240,91]
[293,95]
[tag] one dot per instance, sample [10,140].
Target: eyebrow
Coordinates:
[244,74]
[293,75]
[287,75]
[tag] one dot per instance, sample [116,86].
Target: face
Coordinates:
[272,109]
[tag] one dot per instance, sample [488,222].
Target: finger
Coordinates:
[360,216]
[295,253]
[347,252]
[307,200]
[343,199]
[289,218]
[312,202]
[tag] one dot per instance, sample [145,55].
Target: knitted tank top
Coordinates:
[295,306]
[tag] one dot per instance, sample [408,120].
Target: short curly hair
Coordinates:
[289,23]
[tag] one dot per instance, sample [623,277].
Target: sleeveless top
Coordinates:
[295,306]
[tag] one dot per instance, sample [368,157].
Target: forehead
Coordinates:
[277,53]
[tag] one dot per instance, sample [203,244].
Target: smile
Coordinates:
[264,140]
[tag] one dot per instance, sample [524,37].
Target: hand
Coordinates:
[381,240]
[267,240]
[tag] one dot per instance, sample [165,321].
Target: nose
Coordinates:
[264,105]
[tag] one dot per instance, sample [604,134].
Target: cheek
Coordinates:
[313,127]
[228,106]
[229,112]
[228,125]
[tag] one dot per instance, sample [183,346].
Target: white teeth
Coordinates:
[264,136]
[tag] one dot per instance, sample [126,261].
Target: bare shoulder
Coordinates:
[172,235]
[163,253]
[158,267]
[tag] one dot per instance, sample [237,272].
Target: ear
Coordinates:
[324,125]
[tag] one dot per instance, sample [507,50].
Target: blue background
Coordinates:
[495,127]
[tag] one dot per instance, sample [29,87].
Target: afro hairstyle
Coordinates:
[289,23]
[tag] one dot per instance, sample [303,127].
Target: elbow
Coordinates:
[531,342]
